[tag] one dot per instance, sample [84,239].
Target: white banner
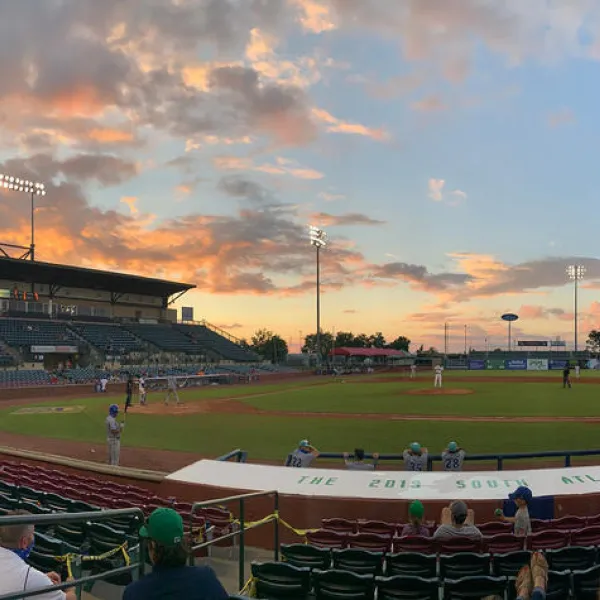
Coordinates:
[54,349]
[389,485]
[537,364]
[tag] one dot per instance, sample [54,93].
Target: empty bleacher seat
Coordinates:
[341,585]
[411,563]
[280,580]
[464,564]
[403,587]
[471,588]
[305,555]
[109,338]
[20,333]
[363,562]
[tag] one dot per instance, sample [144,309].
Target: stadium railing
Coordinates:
[137,554]
[499,458]
[237,456]
[241,527]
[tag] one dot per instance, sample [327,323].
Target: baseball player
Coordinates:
[577,371]
[113,435]
[128,391]
[302,456]
[567,376]
[103,383]
[415,458]
[453,457]
[413,371]
[142,390]
[437,380]
[171,390]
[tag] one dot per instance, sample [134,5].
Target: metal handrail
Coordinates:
[241,498]
[55,518]
[499,458]
[238,454]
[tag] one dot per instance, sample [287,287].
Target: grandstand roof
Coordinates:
[370,352]
[27,271]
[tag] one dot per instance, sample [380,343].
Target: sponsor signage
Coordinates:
[477,365]
[496,363]
[558,344]
[389,485]
[47,410]
[557,364]
[54,349]
[516,364]
[187,313]
[535,343]
[537,364]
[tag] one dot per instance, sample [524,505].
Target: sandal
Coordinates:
[524,583]
[539,570]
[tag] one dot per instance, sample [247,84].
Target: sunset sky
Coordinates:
[448,147]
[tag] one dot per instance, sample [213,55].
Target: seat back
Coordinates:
[363,562]
[343,585]
[414,543]
[459,544]
[588,536]
[586,583]
[327,539]
[559,585]
[411,564]
[464,564]
[502,543]
[305,555]
[407,588]
[370,541]
[471,588]
[509,564]
[572,557]
[340,525]
[280,580]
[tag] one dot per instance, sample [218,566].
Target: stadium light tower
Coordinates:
[33,189]
[318,239]
[575,273]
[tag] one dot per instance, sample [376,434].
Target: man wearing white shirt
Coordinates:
[437,381]
[16,542]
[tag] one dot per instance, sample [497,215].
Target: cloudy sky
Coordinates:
[448,147]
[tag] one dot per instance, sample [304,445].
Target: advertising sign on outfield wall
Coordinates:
[516,364]
[537,364]
[477,365]
[557,364]
[495,363]
[389,485]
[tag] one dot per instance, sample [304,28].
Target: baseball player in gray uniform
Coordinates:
[171,390]
[113,435]
[415,458]
[359,464]
[302,456]
[453,457]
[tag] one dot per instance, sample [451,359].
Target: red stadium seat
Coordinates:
[502,543]
[569,523]
[340,525]
[370,541]
[548,540]
[414,543]
[495,527]
[588,536]
[378,527]
[453,545]
[323,538]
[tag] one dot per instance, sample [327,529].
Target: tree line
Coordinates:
[271,346]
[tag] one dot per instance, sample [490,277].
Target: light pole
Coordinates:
[465,340]
[33,189]
[318,239]
[575,273]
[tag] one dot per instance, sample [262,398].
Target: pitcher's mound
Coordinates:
[440,392]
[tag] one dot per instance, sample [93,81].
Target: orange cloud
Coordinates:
[106,135]
[431,103]
[315,16]
[335,125]
[131,203]
[283,167]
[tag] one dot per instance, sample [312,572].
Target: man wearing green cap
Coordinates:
[415,457]
[453,457]
[171,577]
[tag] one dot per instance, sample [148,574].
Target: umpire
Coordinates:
[128,391]
[567,376]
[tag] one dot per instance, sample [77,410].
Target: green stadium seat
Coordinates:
[586,583]
[29,495]
[46,563]
[72,533]
[362,562]
[34,508]
[9,503]
[277,581]
[343,585]
[305,555]
[411,564]
[559,585]
[571,558]
[128,524]
[403,587]
[57,503]
[474,588]
[48,545]
[8,489]
[80,506]
[464,564]
[510,563]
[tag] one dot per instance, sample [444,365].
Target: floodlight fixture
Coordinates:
[318,239]
[575,273]
[32,189]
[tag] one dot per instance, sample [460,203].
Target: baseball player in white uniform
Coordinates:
[302,456]
[453,457]
[437,380]
[413,371]
[415,457]
[142,390]
[113,435]
[577,371]
[171,390]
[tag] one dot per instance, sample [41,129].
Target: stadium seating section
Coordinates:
[216,343]
[111,339]
[25,333]
[345,559]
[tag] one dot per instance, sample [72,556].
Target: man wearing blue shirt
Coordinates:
[171,577]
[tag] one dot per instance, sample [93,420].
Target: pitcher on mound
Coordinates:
[437,380]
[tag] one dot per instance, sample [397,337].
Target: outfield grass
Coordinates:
[272,437]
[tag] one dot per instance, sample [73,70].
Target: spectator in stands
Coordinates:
[453,457]
[415,458]
[415,526]
[16,543]
[302,456]
[171,577]
[522,497]
[359,464]
[457,521]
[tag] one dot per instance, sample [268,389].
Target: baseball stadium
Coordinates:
[219,452]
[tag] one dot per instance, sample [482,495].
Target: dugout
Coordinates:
[375,357]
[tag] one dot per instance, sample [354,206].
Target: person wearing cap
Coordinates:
[522,497]
[171,577]
[302,456]
[415,457]
[359,464]
[113,435]
[457,521]
[453,457]
[415,526]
